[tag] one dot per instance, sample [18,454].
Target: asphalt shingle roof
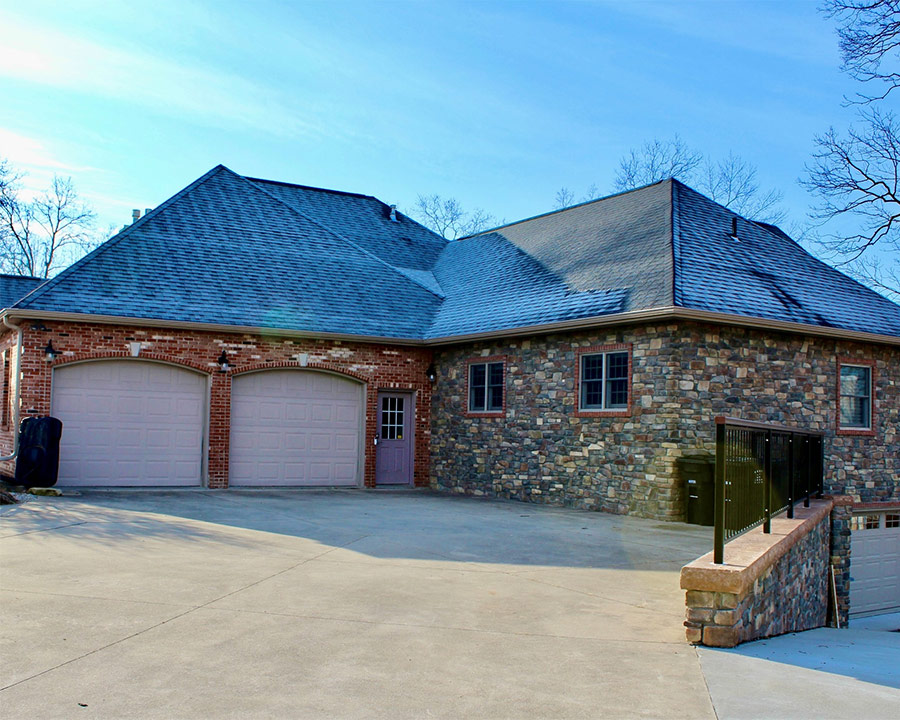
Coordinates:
[230,250]
[15,287]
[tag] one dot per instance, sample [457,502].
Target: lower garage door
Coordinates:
[295,427]
[875,563]
[129,423]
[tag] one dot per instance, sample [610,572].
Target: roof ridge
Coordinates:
[310,187]
[675,239]
[116,239]
[565,209]
[338,235]
[21,277]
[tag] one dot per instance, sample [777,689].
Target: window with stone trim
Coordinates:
[855,393]
[603,379]
[486,387]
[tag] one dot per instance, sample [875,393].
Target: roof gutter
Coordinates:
[674,313]
[18,358]
[25,313]
[664,314]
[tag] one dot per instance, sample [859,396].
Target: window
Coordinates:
[892,520]
[486,387]
[856,397]
[392,418]
[604,381]
[865,522]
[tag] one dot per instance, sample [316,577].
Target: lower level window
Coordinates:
[486,387]
[604,381]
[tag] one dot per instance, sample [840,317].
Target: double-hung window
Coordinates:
[855,397]
[486,387]
[603,379]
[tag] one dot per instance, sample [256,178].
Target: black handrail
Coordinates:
[761,470]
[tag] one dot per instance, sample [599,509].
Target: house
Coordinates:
[249,332]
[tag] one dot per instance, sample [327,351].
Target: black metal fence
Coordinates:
[761,470]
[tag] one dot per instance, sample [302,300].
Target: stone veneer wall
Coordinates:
[769,585]
[683,375]
[840,555]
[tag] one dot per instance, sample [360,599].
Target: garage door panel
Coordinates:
[295,427]
[129,422]
[875,563]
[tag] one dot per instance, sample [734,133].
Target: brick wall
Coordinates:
[381,367]
[683,375]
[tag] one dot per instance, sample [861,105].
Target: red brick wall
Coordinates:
[381,367]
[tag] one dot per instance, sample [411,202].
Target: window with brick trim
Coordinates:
[603,379]
[486,386]
[856,397]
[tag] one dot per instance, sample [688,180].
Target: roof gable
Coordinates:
[622,241]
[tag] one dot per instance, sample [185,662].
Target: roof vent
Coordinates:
[394,213]
[147,211]
[734,233]
[135,215]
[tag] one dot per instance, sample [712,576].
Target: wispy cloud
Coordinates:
[48,57]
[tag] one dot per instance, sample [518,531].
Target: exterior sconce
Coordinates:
[431,373]
[223,362]
[50,352]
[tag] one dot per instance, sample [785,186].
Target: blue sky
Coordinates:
[497,104]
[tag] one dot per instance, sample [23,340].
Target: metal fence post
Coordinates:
[790,510]
[808,444]
[719,518]
[767,485]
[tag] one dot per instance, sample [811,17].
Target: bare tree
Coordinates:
[732,182]
[868,31]
[854,175]
[564,198]
[40,236]
[447,218]
[654,161]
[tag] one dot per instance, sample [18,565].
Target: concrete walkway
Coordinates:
[283,604]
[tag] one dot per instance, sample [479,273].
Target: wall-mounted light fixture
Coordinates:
[431,373]
[50,352]
[223,362]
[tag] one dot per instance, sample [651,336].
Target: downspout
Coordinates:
[18,357]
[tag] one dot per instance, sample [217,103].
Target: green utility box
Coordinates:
[699,477]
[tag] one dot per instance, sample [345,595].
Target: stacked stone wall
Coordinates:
[683,375]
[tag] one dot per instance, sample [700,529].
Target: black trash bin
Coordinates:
[37,464]
[699,476]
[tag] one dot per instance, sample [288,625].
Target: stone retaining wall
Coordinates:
[770,584]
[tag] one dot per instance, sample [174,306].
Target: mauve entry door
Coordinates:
[393,455]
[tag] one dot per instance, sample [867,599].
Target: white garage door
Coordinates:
[875,563]
[295,427]
[129,422]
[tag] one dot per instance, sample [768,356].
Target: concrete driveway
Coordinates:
[284,604]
